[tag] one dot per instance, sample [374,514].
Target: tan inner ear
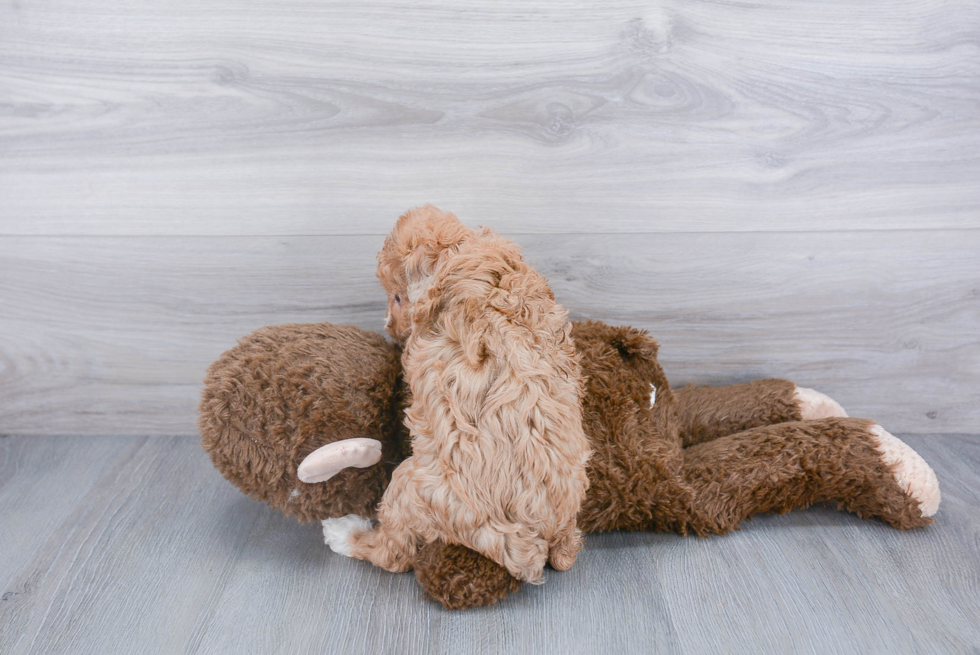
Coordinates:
[327,461]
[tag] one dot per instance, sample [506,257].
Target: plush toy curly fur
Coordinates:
[695,460]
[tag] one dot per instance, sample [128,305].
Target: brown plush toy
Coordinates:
[324,402]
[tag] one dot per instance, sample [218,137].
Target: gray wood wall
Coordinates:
[773,189]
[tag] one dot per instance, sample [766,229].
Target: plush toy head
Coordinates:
[288,390]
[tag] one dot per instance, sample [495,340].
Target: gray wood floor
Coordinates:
[123,545]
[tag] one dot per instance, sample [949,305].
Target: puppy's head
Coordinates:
[421,240]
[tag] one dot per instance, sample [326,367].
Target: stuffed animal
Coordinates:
[323,403]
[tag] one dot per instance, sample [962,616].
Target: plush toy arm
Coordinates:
[706,413]
[777,468]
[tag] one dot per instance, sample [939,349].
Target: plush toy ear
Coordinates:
[327,461]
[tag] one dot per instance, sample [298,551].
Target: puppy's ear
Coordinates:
[431,236]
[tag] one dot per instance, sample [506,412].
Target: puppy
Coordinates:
[498,451]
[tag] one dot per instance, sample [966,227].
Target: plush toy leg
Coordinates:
[459,578]
[782,467]
[815,405]
[706,413]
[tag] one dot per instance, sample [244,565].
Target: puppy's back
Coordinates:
[497,390]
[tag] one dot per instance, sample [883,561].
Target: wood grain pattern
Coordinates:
[771,189]
[161,555]
[107,335]
[39,493]
[292,117]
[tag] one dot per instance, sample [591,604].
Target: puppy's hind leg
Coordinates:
[392,545]
[564,548]
[523,554]
[387,546]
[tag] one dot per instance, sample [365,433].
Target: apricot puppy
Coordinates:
[498,451]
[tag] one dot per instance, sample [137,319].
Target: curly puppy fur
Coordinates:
[498,450]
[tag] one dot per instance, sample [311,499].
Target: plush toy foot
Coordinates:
[913,475]
[337,533]
[815,405]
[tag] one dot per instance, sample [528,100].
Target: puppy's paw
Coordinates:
[815,405]
[562,554]
[337,533]
[561,560]
[915,477]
